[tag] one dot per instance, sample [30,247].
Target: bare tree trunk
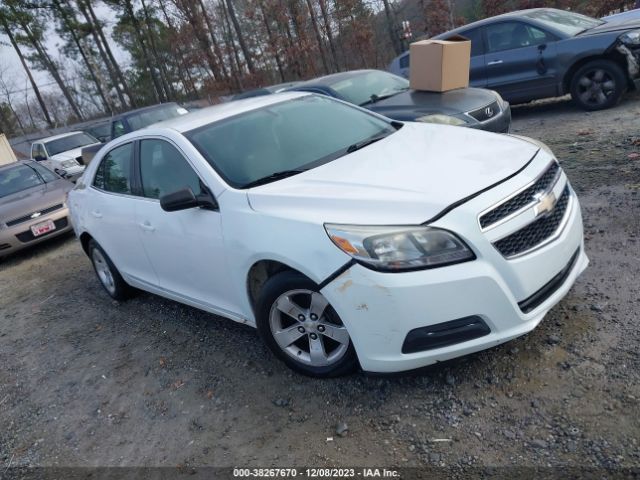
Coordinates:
[183,70]
[36,90]
[243,45]
[327,27]
[111,69]
[71,29]
[164,77]
[95,24]
[158,91]
[391,26]
[271,40]
[314,22]
[214,41]
[51,67]
[232,51]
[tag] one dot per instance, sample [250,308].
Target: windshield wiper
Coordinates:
[364,143]
[273,177]
[376,98]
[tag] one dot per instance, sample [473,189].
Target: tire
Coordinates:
[107,273]
[309,322]
[598,85]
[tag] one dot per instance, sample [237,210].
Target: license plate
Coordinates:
[42,228]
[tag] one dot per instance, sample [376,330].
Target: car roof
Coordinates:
[143,109]
[56,137]
[221,111]
[487,21]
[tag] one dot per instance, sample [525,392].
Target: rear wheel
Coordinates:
[302,329]
[107,273]
[598,84]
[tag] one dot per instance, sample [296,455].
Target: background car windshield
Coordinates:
[71,142]
[291,135]
[567,22]
[360,89]
[18,178]
[144,119]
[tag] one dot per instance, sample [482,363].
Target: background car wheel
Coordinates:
[302,329]
[598,85]
[107,273]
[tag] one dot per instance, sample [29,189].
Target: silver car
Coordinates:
[33,205]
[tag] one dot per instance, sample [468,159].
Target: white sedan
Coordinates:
[347,239]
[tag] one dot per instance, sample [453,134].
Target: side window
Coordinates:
[114,172]
[512,35]
[38,150]
[164,170]
[118,129]
[477,44]
[404,61]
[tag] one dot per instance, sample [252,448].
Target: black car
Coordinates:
[391,96]
[545,52]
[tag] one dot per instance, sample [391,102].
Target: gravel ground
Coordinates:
[86,381]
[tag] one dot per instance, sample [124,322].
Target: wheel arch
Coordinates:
[260,272]
[612,55]
[85,238]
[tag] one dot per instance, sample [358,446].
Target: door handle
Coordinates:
[147,226]
[495,62]
[96,213]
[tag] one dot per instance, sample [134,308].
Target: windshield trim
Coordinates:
[309,166]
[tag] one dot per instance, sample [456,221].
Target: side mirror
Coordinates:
[542,47]
[39,158]
[185,199]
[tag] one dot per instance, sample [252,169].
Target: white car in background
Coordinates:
[63,153]
[346,238]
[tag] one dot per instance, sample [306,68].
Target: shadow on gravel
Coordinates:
[30,253]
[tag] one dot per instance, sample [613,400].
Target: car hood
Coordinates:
[612,26]
[415,103]
[70,154]
[406,178]
[33,199]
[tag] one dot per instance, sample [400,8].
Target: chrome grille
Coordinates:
[536,232]
[485,113]
[28,217]
[523,199]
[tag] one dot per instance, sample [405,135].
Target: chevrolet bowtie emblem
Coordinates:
[546,203]
[36,215]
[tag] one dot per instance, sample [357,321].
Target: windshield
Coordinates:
[366,87]
[293,135]
[69,142]
[567,22]
[23,176]
[100,131]
[149,117]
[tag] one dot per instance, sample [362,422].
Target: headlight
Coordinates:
[442,119]
[396,249]
[631,38]
[69,163]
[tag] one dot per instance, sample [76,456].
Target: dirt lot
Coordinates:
[92,382]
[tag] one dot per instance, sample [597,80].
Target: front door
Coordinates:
[185,247]
[520,61]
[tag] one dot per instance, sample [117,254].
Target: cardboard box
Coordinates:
[440,65]
[6,152]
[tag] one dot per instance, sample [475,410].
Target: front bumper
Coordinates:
[380,309]
[17,237]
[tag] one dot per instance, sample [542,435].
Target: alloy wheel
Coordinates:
[103,271]
[596,86]
[307,329]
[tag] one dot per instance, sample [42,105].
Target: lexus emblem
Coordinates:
[489,112]
[36,215]
[546,203]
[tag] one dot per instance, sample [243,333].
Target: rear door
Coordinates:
[110,214]
[520,60]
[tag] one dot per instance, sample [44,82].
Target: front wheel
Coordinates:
[302,329]
[598,85]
